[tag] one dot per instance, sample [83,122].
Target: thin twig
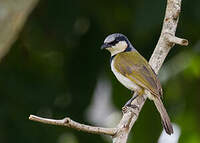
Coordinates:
[175,40]
[67,122]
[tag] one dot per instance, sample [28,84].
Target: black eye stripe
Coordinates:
[114,42]
[121,38]
[117,40]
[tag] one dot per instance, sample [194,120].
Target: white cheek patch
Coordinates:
[118,48]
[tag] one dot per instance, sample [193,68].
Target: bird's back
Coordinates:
[134,67]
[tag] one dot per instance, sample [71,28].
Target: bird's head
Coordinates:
[117,43]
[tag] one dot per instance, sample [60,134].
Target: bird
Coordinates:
[133,71]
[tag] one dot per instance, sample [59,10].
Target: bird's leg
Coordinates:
[132,92]
[128,104]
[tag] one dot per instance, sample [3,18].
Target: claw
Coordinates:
[135,95]
[134,107]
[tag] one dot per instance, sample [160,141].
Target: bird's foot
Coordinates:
[129,103]
[125,108]
[132,92]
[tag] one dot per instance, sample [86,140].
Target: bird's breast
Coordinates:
[122,79]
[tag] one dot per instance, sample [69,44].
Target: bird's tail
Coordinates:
[164,116]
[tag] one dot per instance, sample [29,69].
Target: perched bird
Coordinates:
[135,73]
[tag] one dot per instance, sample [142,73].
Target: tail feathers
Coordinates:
[164,116]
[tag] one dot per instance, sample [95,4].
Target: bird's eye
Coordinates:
[114,42]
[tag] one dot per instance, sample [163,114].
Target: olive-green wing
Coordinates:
[137,69]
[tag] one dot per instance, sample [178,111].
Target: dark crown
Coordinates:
[115,38]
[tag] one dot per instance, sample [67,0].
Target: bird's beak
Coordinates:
[105,45]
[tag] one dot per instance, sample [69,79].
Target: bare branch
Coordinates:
[166,41]
[125,124]
[162,49]
[169,26]
[67,122]
[176,40]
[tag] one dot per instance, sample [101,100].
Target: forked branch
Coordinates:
[166,41]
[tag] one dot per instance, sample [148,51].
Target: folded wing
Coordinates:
[133,66]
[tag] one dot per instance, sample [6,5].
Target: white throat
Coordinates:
[118,48]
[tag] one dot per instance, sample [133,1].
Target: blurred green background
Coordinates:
[56,69]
